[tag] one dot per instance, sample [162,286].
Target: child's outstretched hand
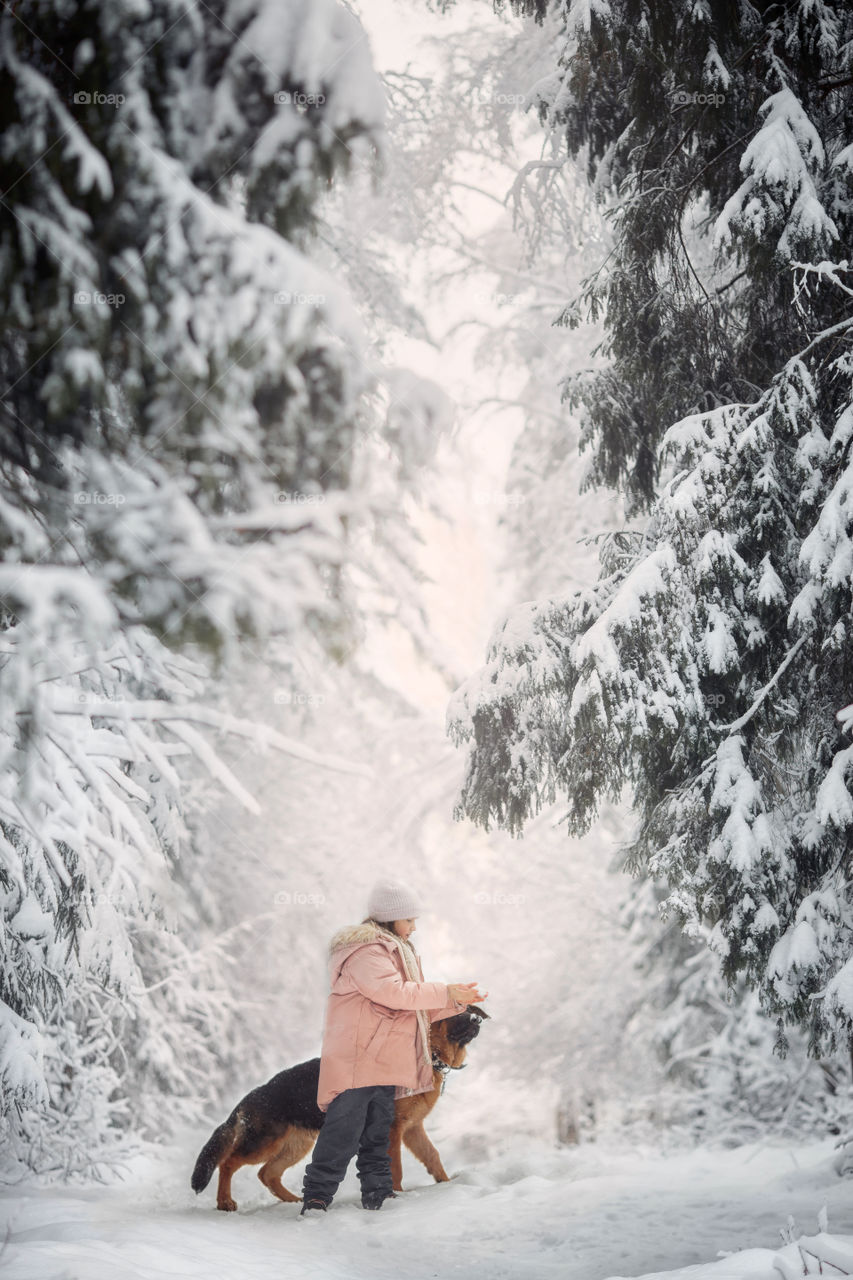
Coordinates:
[465,992]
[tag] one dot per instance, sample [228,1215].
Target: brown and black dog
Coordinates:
[276,1125]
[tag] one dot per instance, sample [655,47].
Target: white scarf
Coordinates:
[412,969]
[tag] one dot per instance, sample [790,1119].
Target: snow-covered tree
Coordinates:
[182,379]
[179,418]
[697,122]
[719,1076]
[706,669]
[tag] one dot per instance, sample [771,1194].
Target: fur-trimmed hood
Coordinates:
[350,938]
[353,934]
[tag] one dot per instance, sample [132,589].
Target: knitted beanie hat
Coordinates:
[390,900]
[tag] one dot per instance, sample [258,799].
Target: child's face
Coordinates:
[405,928]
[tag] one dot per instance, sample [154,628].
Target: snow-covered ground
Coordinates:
[581,1213]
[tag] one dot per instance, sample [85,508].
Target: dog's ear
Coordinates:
[477,1011]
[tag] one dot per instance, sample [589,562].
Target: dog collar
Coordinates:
[444,1069]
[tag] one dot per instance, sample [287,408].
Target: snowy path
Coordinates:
[582,1214]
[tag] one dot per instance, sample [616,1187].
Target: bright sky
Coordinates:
[463,557]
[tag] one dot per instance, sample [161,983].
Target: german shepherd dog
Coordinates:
[276,1125]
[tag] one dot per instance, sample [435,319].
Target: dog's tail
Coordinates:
[218,1145]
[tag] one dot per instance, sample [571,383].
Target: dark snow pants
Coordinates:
[357,1120]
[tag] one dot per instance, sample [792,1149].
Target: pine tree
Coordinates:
[726,119]
[178,424]
[170,350]
[707,668]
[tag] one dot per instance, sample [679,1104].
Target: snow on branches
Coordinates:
[182,375]
[705,670]
[179,422]
[719,146]
[779,200]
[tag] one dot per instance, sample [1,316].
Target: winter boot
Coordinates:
[376,1199]
[313,1204]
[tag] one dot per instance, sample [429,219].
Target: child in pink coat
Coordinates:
[375,1044]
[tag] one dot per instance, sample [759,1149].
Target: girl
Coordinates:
[375,1044]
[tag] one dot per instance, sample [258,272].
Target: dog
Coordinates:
[276,1125]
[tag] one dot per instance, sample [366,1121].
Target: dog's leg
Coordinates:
[227,1170]
[419,1144]
[297,1143]
[396,1153]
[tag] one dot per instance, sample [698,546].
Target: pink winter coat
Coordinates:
[371,1035]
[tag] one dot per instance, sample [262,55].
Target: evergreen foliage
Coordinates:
[727,121]
[178,425]
[707,668]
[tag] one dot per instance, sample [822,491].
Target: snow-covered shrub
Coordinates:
[722,1080]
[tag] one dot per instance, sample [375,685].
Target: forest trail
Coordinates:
[585,1213]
